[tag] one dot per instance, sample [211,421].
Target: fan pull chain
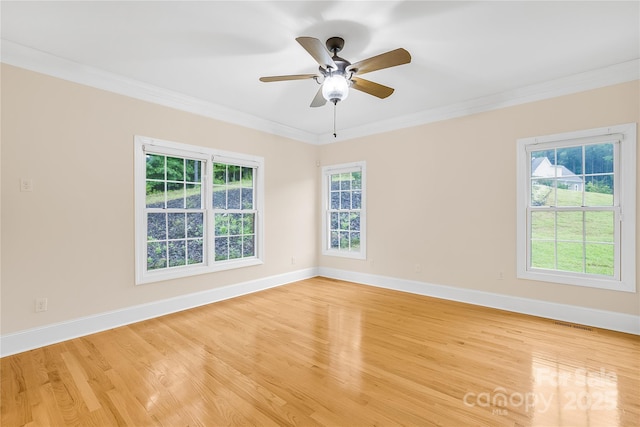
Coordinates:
[335,106]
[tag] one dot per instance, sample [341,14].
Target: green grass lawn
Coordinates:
[572,241]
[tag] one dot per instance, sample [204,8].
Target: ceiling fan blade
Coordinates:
[316,49]
[372,88]
[319,100]
[379,62]
[291,77]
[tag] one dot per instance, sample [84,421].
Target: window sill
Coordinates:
[345,254]
[181,272]
[578,280]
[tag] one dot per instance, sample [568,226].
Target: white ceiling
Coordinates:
[207,56]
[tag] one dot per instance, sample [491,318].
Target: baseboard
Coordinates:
[51,334]
[21,341]
[567,313]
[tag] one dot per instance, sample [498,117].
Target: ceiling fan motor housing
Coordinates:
[336,83]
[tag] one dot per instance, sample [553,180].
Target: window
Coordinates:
[234,211]
[197,210]
[576,208]
[344,218]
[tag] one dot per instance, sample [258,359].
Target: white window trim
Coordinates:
[626,191]
[327,171]
[209,156]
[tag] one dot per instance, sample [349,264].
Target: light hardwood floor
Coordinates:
[322,352]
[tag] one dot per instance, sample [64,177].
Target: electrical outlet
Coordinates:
[26,185]
[293,260]
[418,268]
[42,304]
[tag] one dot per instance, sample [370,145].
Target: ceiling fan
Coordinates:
[337,75]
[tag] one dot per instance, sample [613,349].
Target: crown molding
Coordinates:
[45,63]
[614,74]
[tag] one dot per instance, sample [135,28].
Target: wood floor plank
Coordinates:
[322,352]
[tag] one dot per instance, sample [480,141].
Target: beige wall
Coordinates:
[72,238]
[427,206]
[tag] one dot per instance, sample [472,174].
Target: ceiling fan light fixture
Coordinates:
[335,88]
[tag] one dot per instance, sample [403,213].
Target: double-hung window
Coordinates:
[344,218]
[234,210]
[576,208]
[198,210]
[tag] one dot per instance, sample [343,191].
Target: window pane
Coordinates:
[247,177]
[569,193]
[599,191]
[235,224]
[570,257]
[543,225]
[600,226]
[177,253]
[176,225]
[344,220]
[570,226]
[221,224]
[355,241]
[175,195]
[175,169]
[344,240]
[219,174]
[234,174]
[156,226]
[221,249]
[335,200]
[542,163]
[356,182]
[193,171]
[356,200]
[345,181]
[219,197]
[195,225]
[233,198]
[354,223]
[345,200]
[543,254]
[569,161]
[235,247]
[155,194]
[248,226]
[247,198]
[194,251]
[335,220]
[542,192]
[335,182]
[600,259]
[156,255]
[335,240]
[194,196]
[248,247]
[598,158]
[155,166]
